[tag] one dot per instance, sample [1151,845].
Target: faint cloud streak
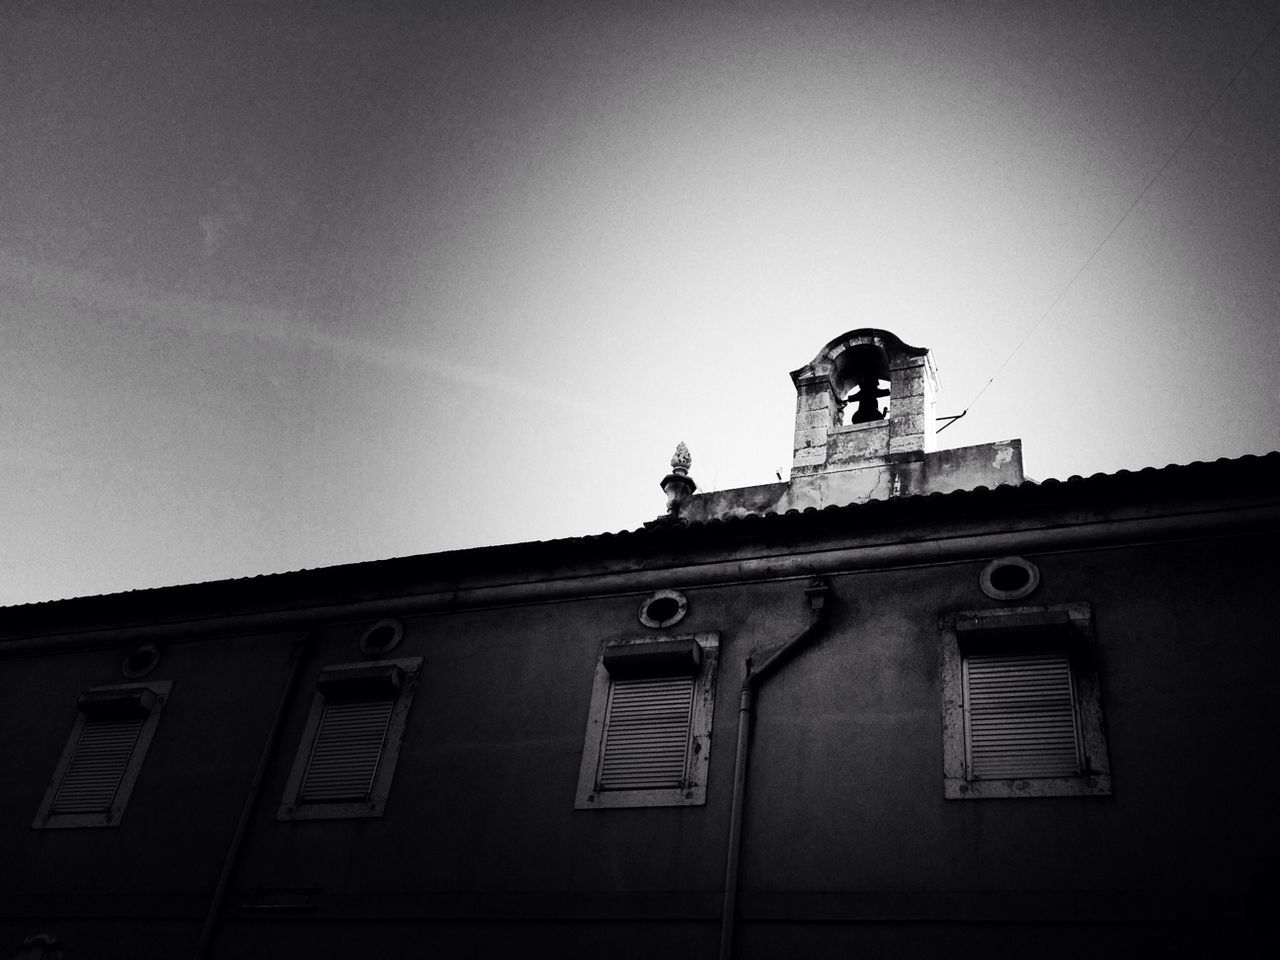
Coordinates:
[87,291]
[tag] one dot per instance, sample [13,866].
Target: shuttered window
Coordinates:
[1020,715]
[347,749]
[103,756]
[646,738]
[1022,704]
[351,743]
[97,766]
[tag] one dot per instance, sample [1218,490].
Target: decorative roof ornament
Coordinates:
[681,461]
[677,485]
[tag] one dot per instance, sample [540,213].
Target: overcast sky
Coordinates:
[284,286]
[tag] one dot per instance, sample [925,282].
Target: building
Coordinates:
[906,703]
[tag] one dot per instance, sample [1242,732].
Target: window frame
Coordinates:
[292,807]
[46,818]
[698,752]
[1067,627]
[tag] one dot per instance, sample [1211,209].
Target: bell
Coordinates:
[869,390]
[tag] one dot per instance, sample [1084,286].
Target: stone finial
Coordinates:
[678,485]
[681,461]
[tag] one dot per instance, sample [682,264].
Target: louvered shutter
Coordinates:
[646,737]
[97,765]
[1020,715]
[348,746]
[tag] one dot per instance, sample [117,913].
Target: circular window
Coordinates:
[141,662]
[1009,578]
[663,609]
[381,638]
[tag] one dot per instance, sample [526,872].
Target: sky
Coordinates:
[286,285]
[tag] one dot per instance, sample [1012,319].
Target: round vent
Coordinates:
[664,609]
[141,662]
[1009,578]
[380,638]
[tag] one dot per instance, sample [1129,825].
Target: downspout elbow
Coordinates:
[817,592]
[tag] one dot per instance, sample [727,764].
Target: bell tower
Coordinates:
[864,431]
[865,398]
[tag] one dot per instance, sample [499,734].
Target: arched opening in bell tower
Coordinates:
[862,384]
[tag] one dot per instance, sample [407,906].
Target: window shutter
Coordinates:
[347,749]
[646,738]
[97,766]
[1021,717]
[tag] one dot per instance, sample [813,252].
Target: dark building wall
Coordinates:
[162,861]
[848,842]
[847,755]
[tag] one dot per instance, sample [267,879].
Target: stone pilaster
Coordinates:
[815,418]
[913,382]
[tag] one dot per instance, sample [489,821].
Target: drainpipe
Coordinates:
[251,800]
[817,592]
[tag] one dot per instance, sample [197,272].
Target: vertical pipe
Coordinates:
[250,801]
[817,593]
[728,915]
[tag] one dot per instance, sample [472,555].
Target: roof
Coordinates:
[1250,476]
